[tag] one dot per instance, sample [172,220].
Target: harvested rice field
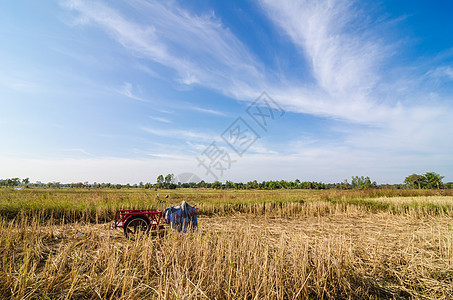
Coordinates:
[307,245]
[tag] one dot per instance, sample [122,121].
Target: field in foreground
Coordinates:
[250,244]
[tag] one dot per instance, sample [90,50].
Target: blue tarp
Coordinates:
[182,218]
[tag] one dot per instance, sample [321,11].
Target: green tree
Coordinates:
[229,184]
[433,180]
[201,184]
[13,181]
[361,182]
[169,180]
[252,184]
[160,181]
[216,185]
[284,184]
[345,185]
[415,181]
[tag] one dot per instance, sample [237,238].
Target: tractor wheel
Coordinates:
[136,227]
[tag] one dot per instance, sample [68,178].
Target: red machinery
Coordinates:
[137,222]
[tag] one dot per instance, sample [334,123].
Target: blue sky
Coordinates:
[110,91]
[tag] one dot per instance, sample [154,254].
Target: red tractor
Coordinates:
[138,222]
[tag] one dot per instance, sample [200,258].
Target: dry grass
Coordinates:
[96,206]
[275,250]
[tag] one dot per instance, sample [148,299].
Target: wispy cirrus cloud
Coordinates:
[180,134]
[393,112]
[445,72]
[347,53]
[203,52]
[350,59]
[198,48]
[208,111]
[344,59]
[351,66]
[170,156]
[127,90]
[76,151]
[160,119]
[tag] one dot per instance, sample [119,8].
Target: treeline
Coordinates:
[429,180]
[11,182]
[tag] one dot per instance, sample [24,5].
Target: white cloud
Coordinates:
[198,48]
[76,151]
[261,149]
[345,62]
[350,61]
[160,119]
[196,146]
[127,90]
[443,71]
[343,59]
[181,134]
[148,71]
[311,162]
[208,111]
[9,80]
[169,156]
[101,169]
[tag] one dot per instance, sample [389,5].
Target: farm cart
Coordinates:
[138,222]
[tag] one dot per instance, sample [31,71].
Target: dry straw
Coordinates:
[321,247]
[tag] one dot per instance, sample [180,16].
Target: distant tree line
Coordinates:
[14,182]
[429,180]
